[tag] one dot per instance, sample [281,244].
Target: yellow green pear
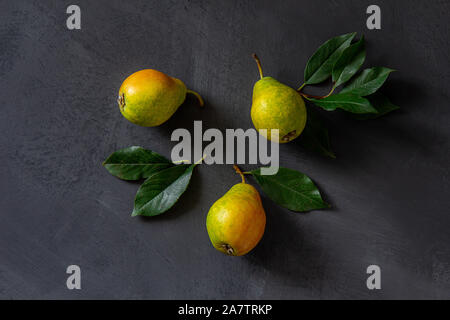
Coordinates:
[236,222]
[149,97]
[277,106]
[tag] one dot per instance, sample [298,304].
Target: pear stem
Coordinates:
[238,170]
[301,87]
[258,63]
[199,97]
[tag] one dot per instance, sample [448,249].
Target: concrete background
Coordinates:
[389,185]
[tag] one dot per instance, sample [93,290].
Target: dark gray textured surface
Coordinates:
[389,185]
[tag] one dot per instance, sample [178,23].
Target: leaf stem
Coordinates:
[258,63]
[198,96]
[184,160]
[301,87]
[200,160]
[310,96]
[307,96]
[238,170]
[180,161]
[331,91]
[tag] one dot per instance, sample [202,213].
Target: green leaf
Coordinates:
[346,101]
[349,62]
[135,163]
[321,63]
[161,190]
[291,189]
[315,135]
[368,81]
[381,103]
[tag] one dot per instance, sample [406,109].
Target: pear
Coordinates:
[277,106]
[236,222]
[149,97]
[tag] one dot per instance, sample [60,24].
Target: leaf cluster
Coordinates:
[165,182]
[341,60]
